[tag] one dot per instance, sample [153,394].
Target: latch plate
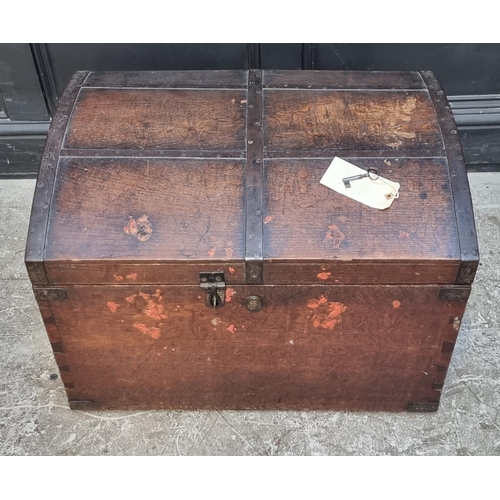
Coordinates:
[215,285]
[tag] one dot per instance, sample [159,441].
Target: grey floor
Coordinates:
[35,418]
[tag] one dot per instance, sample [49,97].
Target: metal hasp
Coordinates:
[215,285]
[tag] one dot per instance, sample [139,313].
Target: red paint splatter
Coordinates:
[327,314]
[132,276]
[211,252]
[268,219]
[229,294]
[324,276]
[231,270]
[113,306]
[232,328]
[153,309]
[396,304]
[117,277]
[335,235]
[404,234]
[140,228]
[152,331]
[151,312]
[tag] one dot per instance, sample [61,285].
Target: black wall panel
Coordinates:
[461,68]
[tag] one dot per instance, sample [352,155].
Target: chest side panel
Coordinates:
[344,347]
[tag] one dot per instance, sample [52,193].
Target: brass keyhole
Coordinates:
[253,303]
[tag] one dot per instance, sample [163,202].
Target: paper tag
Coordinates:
[379,193]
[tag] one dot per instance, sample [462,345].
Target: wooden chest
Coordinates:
[185,255]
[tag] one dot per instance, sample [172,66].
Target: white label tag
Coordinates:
[374,191]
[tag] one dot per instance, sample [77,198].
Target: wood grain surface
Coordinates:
[151,209]
[306,220]
[313,119]
[158,119]
[376,80]
[344,347]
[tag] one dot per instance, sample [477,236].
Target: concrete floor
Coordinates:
[35,418]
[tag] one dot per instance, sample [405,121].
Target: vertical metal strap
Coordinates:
[254,182]
[467,238]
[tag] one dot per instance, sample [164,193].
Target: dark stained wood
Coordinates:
[353,153]
[123,272]
[153,209]
[158,119]
[344,347]
[459,182]
[357,271]
[42,200]
[168,79]
[155,153]
[305,220]
[343,79]
[371,120]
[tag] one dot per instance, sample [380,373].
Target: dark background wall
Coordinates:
[33,76]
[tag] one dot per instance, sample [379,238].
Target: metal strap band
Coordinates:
[254,182]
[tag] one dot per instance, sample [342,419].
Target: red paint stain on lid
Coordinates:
[323,276]
[396,304]
[113,306]
[232,328]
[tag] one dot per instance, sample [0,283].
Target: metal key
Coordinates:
[347,180]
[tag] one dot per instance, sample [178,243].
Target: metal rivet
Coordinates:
[218,278]
[258,212]
[258,92]
[257,123]
[251,236]
[250,141]
[251,83]
[45,206]
[258,160]
[471,233]
[204,280]
[250,186]
[442,119]
[460,157]
[32,230]
[250,105]
[453,132]
[253,276]
[41,184]
[465,252]
[256,255]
